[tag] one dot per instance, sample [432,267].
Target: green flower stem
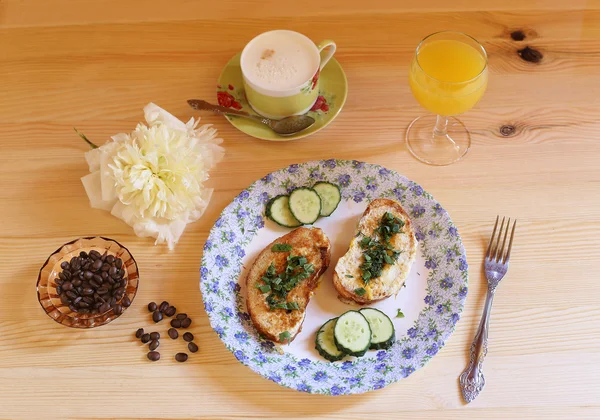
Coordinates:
[92,145]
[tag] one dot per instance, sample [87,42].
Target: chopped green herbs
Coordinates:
[360,291]
[349,276]
[279,285]
[379,253]
[281,248]
[399,314]
[285,337]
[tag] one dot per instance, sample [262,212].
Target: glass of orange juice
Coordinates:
[448,76]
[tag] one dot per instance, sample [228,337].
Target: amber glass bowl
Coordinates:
[46,286]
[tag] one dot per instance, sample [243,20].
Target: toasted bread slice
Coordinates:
[347,276]
[310,243]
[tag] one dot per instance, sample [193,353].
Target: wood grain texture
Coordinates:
[95,64]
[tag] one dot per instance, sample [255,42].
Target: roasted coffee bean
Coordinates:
[102,290]
[155,335]
[88,291]
[181,357]
[94,254]
[86,284]
[72,308]
[139,333]
[83,254]
[188,336]
[112,301]
[76,282]
[118,309]
[163,306]
[105,267]
[126,302]
[62,275]
[88,300]
[98,278]
[145,338]
[104,307]
[58,290]
[175,323]
[88,275]
[152,306]
[110,259]
[83,304]
[181,316]
[186,323]
[192,347]
[94,283]
[170,311]
[68,275]
[119,263]
[104,275]
[67,286]
[103,257]
[65,299]
[65,265]
[71,294]
[154,356]
[97,305]
[97,265]
[112,271]
[157,316]
[122,272]
[77,300]
[173,333]
[120,292]
[154,345]
[59,281]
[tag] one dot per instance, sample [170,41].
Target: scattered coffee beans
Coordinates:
[157,316]
[170,311]
[188,336]
[145,338]
[154,356]
[175,323]
[154,335]
[192,347]
[93,283]
[152,306]
[181,357]
[173,333]
[154,345]
[181,317]
[139,333]
[186,323]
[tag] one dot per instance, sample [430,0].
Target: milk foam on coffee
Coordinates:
[280,60]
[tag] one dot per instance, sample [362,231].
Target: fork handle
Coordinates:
[472,380]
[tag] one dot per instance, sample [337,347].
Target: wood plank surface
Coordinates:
[95,64]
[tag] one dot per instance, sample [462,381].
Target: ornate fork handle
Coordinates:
[472,380]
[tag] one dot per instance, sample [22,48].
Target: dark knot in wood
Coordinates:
[507,130]
[517,35]
[530,54]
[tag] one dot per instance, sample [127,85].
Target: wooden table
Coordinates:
[95,64]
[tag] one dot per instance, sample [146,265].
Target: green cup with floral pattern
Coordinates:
[281,70]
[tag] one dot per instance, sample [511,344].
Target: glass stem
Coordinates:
[441,129]
[441,126]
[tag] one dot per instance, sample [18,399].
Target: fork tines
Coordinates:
[495,252]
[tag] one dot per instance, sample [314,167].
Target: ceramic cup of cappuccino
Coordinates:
[281,72]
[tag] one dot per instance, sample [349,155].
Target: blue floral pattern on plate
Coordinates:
[241,221]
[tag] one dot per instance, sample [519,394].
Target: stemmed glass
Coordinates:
[448,76]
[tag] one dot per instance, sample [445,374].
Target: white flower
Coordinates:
[153,178]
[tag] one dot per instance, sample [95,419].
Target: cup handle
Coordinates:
[328,43]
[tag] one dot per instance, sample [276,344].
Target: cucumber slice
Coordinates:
[382,328]
[305,205]
[330,197]
[325,343]
[352,333]
[278,210]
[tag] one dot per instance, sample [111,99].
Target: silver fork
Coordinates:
[496,266]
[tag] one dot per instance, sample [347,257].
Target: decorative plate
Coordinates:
[431,301]
[334,90]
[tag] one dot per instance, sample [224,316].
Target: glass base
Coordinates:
[434,149]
